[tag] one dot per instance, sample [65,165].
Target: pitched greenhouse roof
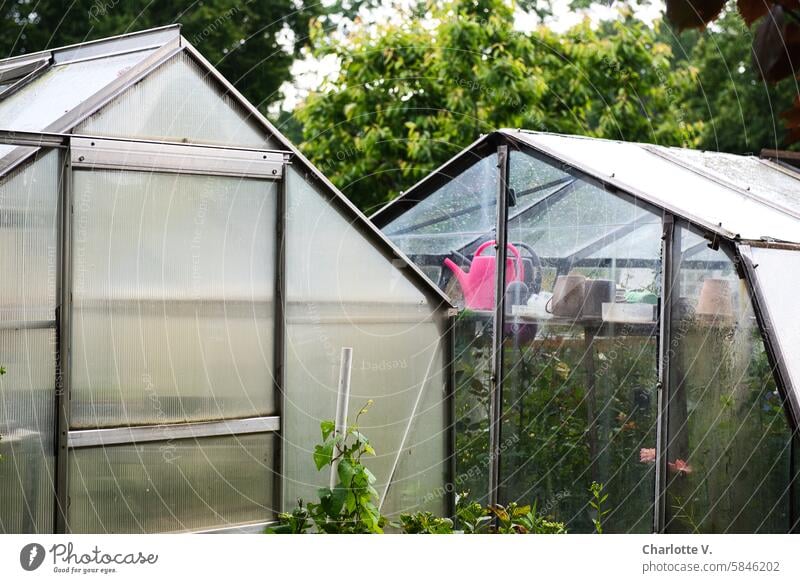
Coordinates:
[738,197]
[51,92]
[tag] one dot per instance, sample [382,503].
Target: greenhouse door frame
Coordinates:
[95,153]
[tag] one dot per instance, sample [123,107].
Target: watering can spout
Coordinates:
[460,274]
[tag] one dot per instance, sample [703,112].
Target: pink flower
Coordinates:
[680,467]
[647,455]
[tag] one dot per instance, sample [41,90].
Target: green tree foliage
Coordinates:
[741,112]
[241,37]
[413,92]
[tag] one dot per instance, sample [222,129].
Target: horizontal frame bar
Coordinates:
[38,139]
[148,433]
[248,528]
[100,154]
[27,324]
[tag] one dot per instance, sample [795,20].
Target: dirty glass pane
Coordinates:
[472,369]
[580,357]
[28,231]
[728,448]
[342,292]
[173,282]
[453,216]
[172,486]
[581,220]
[759,177]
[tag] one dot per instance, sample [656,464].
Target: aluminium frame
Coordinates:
[255,164]
[498,326]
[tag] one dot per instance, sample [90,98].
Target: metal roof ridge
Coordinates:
[91,44]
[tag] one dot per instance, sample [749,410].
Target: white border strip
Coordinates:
[146,433]
[98,154]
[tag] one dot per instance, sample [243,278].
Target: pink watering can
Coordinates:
[478,284]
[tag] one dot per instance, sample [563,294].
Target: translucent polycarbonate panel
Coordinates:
[179,102]
[343,292]
[462,210]
[60,90]
[172,486]
[397,364]
[728,440]
[759,177]
[776,274]
[173,283]
[28,232]
[27,401]
[28,225]
[666,183]
[330,262]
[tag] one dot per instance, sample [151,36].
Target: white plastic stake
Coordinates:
[342,400]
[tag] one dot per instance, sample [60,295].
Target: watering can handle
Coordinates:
[514,250]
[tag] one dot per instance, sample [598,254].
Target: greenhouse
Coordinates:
[178,283]
[637,330]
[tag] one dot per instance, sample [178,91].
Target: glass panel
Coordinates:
[665,182]
[178,102]
[60,90]
[532,181]
[171,486]
[341,291]
[580,220]
[580,357]
[473,366]
[728,438]
[172,298]
[453,216]
[28,230]
[746,172]
[776,277]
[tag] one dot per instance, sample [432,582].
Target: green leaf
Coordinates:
[323,454]
[346,472]
[327,427]
[338,497]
